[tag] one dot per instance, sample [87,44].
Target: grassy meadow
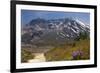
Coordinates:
[66,52]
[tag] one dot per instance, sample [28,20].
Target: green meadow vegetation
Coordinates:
[26,55]
[65,52]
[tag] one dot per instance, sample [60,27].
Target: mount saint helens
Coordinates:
[53,31]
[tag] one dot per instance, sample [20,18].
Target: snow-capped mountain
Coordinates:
[57,29]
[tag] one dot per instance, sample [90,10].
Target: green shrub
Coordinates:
[26,55]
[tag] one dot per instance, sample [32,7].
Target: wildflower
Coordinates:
[77,54]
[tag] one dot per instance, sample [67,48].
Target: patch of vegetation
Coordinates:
[82,35]
[26,55]
[77,50]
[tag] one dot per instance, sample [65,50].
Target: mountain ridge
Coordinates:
[42,30]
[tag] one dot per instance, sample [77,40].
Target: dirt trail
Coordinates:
[39,57]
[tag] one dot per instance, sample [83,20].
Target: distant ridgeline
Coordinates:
[57,30]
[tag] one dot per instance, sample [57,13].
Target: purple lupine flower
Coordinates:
[74,53]
[80,52]
[77,54]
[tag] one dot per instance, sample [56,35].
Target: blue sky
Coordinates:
[28,15]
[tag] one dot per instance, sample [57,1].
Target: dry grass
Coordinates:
[65,52]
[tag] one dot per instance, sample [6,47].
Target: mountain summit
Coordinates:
[42,30]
